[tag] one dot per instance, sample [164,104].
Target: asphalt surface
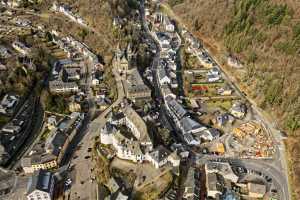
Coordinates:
[83,185]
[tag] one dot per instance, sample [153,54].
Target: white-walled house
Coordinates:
[159,156]
[127,149]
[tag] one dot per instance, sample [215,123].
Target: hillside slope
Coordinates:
[265,36]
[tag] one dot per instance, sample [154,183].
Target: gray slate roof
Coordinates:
[188,124]
[41,180]
[177,109]
[160,153]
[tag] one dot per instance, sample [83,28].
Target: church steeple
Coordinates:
[118,53]
[129,52]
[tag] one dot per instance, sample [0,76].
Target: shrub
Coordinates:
[296,30]
[276,14]
[293,122]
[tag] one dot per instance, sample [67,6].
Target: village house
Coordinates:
[51,122]
[223,119]
[107,133]
[63,87]
[223,169]
[192,184]
[209,134]
[127,149]
[162,76]
[21,48]
[238,110]
[72,74]
[166,91]
[65,9]
[159,156]
[169,26]
[138,126]
[224,91]
[48,152]
[4,52]
[256,191]
[213,185]
[213,78]
[190,139]
[174,83]
[8,103]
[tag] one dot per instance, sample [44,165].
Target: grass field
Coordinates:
[221,104]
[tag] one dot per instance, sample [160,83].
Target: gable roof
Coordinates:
[56,142]
[176,108]
[188,125]
[160,153]
[162,73]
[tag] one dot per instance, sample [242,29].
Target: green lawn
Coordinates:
[222,104]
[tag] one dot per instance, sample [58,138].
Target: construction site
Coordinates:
[253,140]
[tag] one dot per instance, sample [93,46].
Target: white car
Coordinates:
[68,182]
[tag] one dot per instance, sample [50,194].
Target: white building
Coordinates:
[223,169]
[213,78]
[238,110]
[65,9]
[170,27]
[212,185]
[166,91]
[159,156]
[127,149]
[107,133]
[188,125]
[138,127]
[162,76]
[63,87]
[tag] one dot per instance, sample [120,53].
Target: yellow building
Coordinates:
[217,148]
[31,164]
[46,165]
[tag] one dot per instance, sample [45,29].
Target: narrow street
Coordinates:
[83,186]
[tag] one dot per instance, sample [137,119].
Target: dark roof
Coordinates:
[160,153]
[214,132]
[177,109]
[56,143]
[61,173]
[188,124]
[41,180]
[118,116]
[109,129]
